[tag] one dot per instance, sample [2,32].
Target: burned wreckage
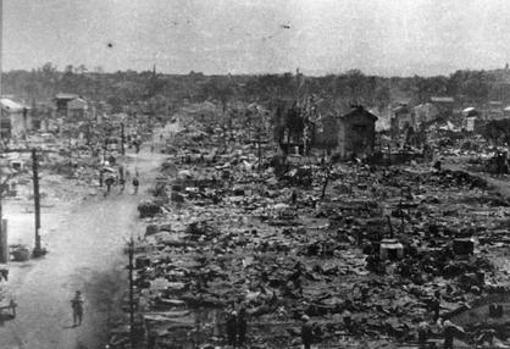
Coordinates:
[307,238]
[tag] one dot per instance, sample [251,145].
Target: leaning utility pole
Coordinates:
[35,171]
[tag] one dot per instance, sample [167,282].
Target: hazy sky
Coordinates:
[388,37]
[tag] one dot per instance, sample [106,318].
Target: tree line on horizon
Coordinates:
[161,92]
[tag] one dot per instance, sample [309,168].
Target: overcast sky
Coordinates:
[386,37]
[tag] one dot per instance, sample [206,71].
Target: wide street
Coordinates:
[86,253]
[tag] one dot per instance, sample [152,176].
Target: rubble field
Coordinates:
[364,251]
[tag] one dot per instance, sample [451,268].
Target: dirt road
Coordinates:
[86,254]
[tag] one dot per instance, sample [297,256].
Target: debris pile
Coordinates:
[366,252]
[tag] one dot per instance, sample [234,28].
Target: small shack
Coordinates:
[352,134]
[403,119]
[356,133]
[391,249]
[444,105]
[71,106]
[470,117]
[15,118]
[77,109]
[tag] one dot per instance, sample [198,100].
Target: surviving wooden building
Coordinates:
[15,119]
[444,106]
[71,106]
[352,134]
[403,118]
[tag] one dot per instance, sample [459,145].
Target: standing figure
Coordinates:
[101,177]
[449,331]
[306,332]
[241,327]
[423,334]
[109,182]
[136,183]
[436,305]
[232,328]
[77,306]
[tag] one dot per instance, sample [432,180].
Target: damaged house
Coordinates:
[471,119]
[444,106]
[73,107]
[403,118]
[15,118]
[293,130]
[352,134]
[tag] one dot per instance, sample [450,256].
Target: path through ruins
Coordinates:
[86,253]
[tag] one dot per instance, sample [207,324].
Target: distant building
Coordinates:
[506,112]
[15,119]
[471,117]
[500,87]
[350,134]
[356,133]
[292,131]
[425,113]
[495,110]
[71,106]
[403,119]
[444,106]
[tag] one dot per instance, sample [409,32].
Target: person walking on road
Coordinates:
[136,183]
[109,182]
[122,179]
[122,183]
[77,306]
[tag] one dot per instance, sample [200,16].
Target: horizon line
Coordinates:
[293,73]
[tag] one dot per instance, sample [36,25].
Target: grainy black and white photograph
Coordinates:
[254,174]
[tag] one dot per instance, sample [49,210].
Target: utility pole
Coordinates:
[259,151]
[1,41]
[4,247]
[258,141]
[3,229]
[122,137]
[35,171]
[131,251]
[325,183]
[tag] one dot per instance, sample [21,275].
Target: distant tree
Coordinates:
[356,84]
[81,69]
[382,95]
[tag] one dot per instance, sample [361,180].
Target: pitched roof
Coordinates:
[77,103]
[402,108]
[358,110]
